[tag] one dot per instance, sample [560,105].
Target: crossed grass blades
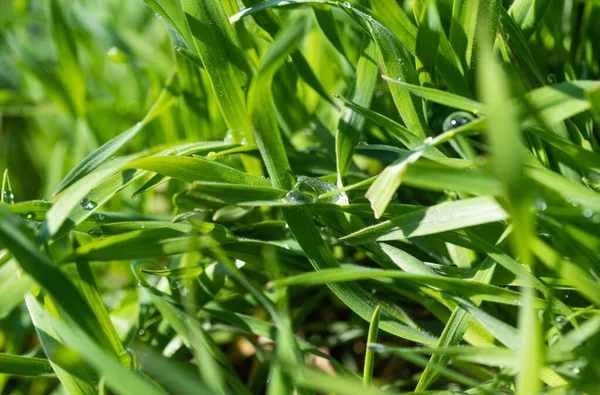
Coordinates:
[301,196]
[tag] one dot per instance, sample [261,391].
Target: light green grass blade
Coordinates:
[196,169]
[436,219]
[14,285]
[508,165]
[442,97]
[528,14]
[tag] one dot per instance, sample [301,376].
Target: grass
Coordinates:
[302,196]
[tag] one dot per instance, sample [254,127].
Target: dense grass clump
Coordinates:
[300,196]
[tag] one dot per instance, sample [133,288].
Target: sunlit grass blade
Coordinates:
[428,38]
[528,14]
[436,219]
[442,97]
[215,40]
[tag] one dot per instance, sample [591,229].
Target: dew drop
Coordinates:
[457,119]
[298,197]
[540,204]
[551,78]
[235,136]
[30,215]
[428,140]
[588,213]
[133,197]
[336,95]
[561,320]
[95,232]
[87,204]
[184,290]
[212,155]
[347,5]
[143,226]
[574,369]
[141,332]
[8,197]
[362,143]
[139,284]
[158,16]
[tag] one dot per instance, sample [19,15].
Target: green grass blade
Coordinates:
[90,292]
[442,97]
[428,37]
[369,357]
[216,40]
[118,378]
[351,123]
[16,365]
[528,14]
[74,378]
[436,219]
[107,150]
[196,169]
[46,273]
[70,69]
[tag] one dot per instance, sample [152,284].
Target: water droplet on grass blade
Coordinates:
[87,204]
[347,5]
[8,197]
[540,204]
[95,232]
[457,119]
[235,136]
[298,197]
[587,212]
[561,320]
